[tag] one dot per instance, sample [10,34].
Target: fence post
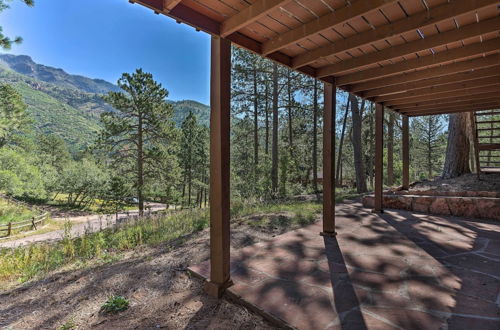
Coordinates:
[9,229]
[33,225]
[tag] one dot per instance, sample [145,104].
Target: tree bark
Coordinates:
[266,109]
[338,178]
[357,146]
[457,150]
[140,166]
[390,150]
[315,137]
[255,120]
[274,165]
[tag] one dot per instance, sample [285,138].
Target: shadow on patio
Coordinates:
[397,270]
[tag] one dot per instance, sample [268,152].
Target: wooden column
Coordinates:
[220,95]
[379,156]
[329,160]
[406,154]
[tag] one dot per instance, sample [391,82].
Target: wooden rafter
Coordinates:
[436,40]
[439,89]
[338,17]
[417,21]
[448,69]
[417,63]
[170,4]
[249,15]
[432,83]
[451,102]
[424,112]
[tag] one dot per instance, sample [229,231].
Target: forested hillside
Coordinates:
[70,105]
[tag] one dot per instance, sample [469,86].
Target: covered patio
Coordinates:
[413,57]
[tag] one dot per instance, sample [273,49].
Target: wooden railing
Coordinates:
[11,227]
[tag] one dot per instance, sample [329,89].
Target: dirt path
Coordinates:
[81,225]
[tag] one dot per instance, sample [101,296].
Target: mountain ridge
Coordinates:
[70,105]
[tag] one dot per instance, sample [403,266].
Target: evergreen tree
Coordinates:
[13,115]
[142,124]
[429,142]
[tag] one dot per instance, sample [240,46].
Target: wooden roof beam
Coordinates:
[250,14]
[492,45]
[436,92]
[415,86]
[452,101]
[436,40]
[168,5]
[445,95]
[424,112]
[419,20]
[443,70]
[337,17]
[451,105]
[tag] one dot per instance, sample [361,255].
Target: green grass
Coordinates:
[11,212]
[25,263]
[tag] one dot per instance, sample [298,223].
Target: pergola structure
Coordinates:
[414,57]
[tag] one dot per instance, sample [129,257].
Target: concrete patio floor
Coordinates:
[398,270]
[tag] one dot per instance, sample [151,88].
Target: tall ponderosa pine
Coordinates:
[458,148]
[141,125]
[13,115]
[429,140]
[193,158]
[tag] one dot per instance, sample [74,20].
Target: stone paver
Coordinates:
[397,270]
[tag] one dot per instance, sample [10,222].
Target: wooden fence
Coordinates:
[11,227]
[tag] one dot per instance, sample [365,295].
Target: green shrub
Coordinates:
[115,304]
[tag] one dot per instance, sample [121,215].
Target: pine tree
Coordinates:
[429,142]
[139,128]
[6,42]
[13,115]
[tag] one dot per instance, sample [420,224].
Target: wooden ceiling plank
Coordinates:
[422,19]
[324,22]
[465,32]
[448,111]
[440,89]
[431,82]
[453,101]
[491,60]
[444,95]
[170,4]
[418,63]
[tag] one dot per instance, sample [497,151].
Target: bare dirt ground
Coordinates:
[467,182]
[161,293]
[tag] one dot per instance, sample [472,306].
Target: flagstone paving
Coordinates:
[398,270]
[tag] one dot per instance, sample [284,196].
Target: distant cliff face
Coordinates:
[70,105]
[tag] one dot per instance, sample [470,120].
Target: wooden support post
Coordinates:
[379,156]
[9,229]
[220,99]
[406,153]
[329,160]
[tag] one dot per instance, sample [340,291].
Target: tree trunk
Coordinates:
[266,108]
[457,150]
[140,166]
[255,120]
[338,179]
[390,150]
[274,165]
[357,146]
[290,126]
[315,137]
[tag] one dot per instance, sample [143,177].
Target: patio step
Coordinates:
[478,207]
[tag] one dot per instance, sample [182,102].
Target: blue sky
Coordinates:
[104,38]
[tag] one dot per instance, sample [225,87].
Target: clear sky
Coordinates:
[104,38]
